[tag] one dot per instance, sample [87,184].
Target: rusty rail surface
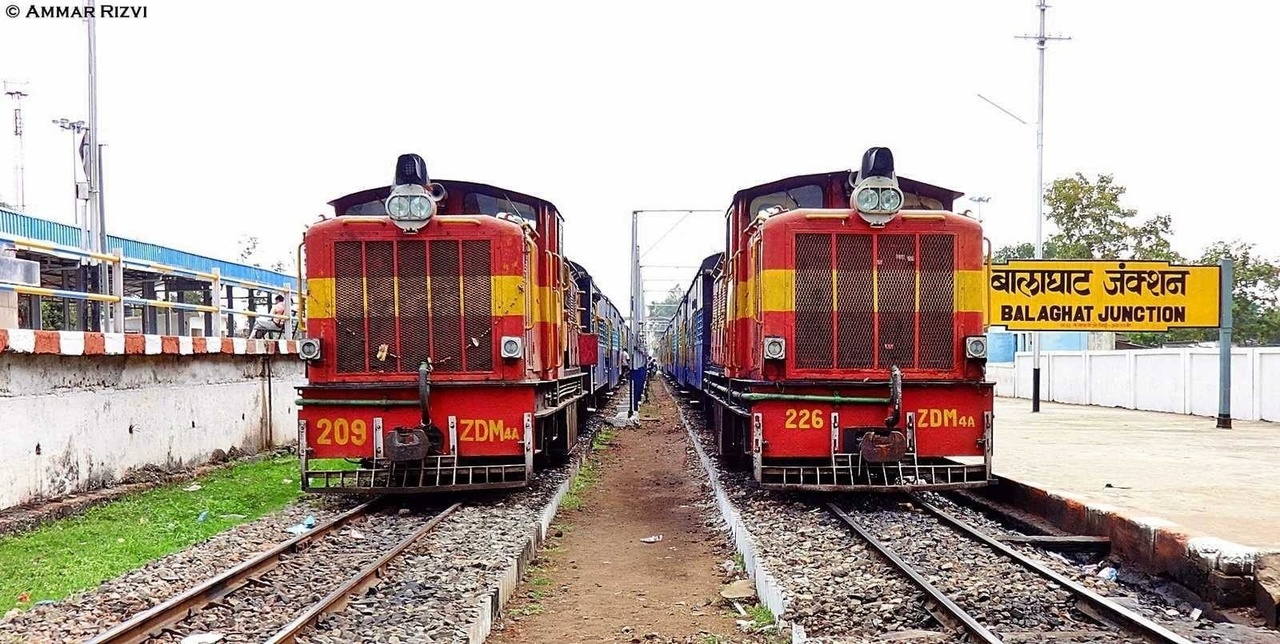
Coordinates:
[152,622]
[337,599]
[1123,617]
[954,616]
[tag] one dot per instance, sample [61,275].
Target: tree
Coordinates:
[248,250]
[1092,224]
[1255,292]
[666,307]
[1025,250]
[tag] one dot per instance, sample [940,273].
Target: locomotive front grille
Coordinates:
[874,301]
[401,303]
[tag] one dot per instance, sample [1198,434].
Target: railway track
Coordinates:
[279,593]
[987,590]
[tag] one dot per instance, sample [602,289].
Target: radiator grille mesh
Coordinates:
[874,301]
[855,344]
[813,301]
[937,301]
[401,303]
[348,290]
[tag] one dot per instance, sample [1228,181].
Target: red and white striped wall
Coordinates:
[83,343]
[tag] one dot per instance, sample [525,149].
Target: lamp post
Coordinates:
[13,90]
[1041,40]
[75,127]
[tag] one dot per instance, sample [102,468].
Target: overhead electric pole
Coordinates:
[13,91]
[1041,40]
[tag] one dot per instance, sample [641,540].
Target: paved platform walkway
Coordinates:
[1223,483]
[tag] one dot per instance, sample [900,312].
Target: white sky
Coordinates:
[239,118]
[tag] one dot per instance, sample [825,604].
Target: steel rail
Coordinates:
[336,600]
[1110,609]
[970,624]
[151,622]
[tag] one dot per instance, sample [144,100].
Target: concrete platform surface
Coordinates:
[1223,483]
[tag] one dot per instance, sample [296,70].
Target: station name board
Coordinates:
[1103,295]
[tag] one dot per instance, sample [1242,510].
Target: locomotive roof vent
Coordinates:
[414,198]
[876,195]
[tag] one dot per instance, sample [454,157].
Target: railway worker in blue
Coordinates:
[650,369]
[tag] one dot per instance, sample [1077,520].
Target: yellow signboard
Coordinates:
[1103,295]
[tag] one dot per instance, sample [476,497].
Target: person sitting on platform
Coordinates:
[264,325]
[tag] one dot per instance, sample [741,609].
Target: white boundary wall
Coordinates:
[73,423]
[1181,381]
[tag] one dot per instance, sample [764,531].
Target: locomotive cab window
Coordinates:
[806,196]
[375,208]
[481,203]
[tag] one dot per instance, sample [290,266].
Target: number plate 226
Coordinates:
[804,419]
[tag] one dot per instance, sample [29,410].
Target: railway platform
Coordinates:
[1175,494]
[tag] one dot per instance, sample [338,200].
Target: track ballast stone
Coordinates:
[449,585]
[834,588]
[88,613]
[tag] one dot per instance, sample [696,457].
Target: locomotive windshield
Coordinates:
[806,196]
[481,203]
[473,203]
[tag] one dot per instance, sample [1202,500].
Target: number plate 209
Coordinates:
[338,436]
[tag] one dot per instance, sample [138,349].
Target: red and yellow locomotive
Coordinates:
[442,342]
[839,340]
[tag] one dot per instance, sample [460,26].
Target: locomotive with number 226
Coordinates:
[838,342]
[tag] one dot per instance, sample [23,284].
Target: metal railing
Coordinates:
[118,299]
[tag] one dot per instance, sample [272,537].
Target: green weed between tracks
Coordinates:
[79,552]
[589,473]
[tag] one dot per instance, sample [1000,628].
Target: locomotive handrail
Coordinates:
[759,397]
[986,281]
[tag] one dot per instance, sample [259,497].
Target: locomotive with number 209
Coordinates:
[838,343]
[449,342]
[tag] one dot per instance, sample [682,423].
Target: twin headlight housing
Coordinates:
[876,195]
[871,200]
[411,206]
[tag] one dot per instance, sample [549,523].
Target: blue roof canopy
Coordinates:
[19,225]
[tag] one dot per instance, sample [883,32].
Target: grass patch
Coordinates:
[82,551]
[332,465]
[589,473]
[760,615]
[534,608]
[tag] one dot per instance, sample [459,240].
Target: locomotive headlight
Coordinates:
[975,346]
[512,347]
[309,349]
[420,207]
[775,348]
[891,199]
[868,199]
[398,207]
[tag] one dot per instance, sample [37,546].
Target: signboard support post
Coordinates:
[1224,347]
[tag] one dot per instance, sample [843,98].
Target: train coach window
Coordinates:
[807,196]
[478,202]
